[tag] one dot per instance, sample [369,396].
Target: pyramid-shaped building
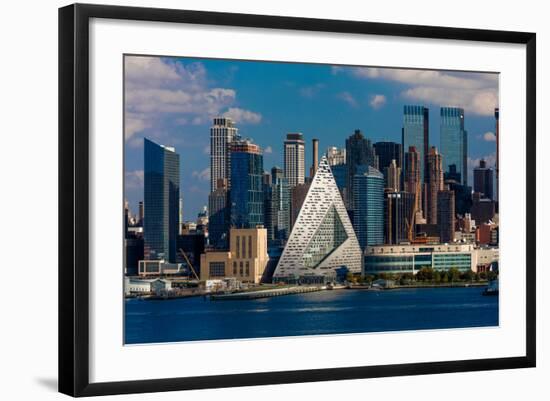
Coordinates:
[322,240]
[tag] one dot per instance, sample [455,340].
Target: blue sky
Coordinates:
[173,100]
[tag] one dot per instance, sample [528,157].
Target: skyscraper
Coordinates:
[277,206]
[416,133]
[412,180]
[399,217]
[222,133]
[294,154]
[434,184]
[392,176]
[483,179]
[359,152]
[246,192]
[368,206]
[446,215]
[141,213]
[388,151]
[161,195]
[322,241]
[218,218]
[336,156]
[454,141]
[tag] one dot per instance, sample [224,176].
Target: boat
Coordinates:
[492,288]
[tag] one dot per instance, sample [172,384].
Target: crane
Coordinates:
[189,264]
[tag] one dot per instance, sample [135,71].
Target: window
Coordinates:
[238,246]
[241,268]
[247,268]
[216,269]
[234,268]
[249,247]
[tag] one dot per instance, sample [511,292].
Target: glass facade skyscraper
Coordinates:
[454,141]
[359,152]
[246,193]
[161,196]
[416,133]
[368,206]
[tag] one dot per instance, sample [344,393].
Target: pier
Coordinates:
[276,292]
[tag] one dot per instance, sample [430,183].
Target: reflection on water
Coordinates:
[324,312]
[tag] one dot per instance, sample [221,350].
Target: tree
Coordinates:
[454,274]
[437,276]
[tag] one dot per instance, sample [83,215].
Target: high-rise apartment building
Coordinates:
[368,206]
[277,206]
[222,133]
[336,156]
[446,215]
[434,184]
[412,176]
[416,133]
[392,176]
[218,215]
[294,155]
[322,242]
[399,217]
[161,195]
[388,151]
[454,141]
[246,192]
[483,179]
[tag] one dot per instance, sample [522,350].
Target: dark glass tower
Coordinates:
[399,210]
[161,196]
[454,141]
[416,133]
[359,152]
[483,179]
[246,193]
[277,206]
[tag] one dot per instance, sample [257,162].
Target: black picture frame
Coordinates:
[74,200]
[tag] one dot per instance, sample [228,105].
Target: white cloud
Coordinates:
[348,98]
[490,159]
[377,101]
[311,91]
[203,175]
[133,179]
[477,93]
[489,136]
[243,116]
[161,92]
[268,150]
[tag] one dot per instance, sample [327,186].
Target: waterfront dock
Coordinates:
[275,292]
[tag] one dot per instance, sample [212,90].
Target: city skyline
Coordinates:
[173,100]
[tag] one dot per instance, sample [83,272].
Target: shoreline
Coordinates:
[283,291]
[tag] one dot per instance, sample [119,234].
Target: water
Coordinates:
[324,312]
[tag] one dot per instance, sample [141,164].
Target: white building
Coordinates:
[222,133]
[322,240]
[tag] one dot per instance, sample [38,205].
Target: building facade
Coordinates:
[399,259]
[222,133]
[434,184]
[416,133]
[483,179]
[161,195]
[446,215]
[295,159]
[359,152]
[246,193]
[218,215]
[277,200]
[399,216]
[454,141]
[245,261]
[412,178]
[322,243]
[368,206]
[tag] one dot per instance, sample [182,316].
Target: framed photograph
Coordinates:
[251,199]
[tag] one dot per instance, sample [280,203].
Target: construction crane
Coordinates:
[189,264]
